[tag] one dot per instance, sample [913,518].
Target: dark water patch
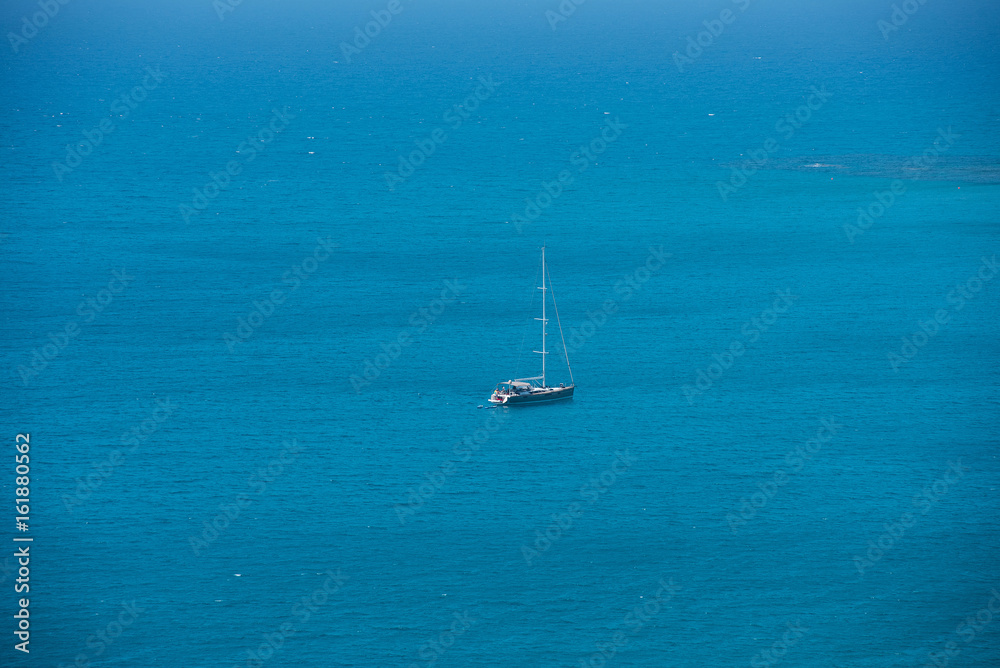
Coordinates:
[965,168]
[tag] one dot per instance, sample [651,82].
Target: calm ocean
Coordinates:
[261,271]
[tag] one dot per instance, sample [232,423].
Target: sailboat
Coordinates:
[535,390]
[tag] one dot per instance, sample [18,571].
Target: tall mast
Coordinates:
[544,321]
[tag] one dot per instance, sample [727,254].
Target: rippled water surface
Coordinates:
[264,433]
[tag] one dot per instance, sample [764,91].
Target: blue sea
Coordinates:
[264,262]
